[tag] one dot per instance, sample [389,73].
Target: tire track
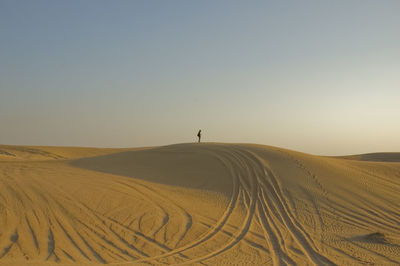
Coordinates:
[271,189]
[219,224]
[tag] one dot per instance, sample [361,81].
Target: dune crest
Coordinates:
[197,204]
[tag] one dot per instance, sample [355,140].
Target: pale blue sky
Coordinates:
[316,76]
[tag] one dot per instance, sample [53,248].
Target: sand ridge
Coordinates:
[196,204]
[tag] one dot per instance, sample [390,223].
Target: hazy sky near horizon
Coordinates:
[316,76]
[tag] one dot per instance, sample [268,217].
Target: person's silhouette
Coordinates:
[199,135]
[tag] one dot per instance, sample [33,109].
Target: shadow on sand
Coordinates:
[184,165]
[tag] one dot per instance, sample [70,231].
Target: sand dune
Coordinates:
[375,157]
[197,204]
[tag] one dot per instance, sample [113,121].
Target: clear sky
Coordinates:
[316,76]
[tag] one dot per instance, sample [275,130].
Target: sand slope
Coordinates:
[196,204]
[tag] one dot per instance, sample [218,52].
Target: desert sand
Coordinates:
[197,204]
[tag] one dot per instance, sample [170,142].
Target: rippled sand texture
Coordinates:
[197,204]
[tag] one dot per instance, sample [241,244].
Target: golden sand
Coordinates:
[197,204]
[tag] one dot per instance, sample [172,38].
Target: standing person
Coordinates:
[199,135]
